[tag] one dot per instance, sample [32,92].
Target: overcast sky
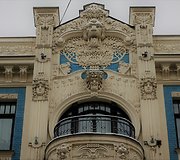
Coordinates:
[16,16]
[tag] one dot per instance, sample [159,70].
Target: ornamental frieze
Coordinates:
[93,151]
[17,49]
[40,88]
[167,46]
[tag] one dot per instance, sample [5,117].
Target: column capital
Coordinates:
[46,16]
[142,16]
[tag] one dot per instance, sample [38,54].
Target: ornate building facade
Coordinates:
[92,88]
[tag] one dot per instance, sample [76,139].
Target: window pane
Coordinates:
[7,111]
[175,108]
[13,107]
[2,109]
[5,134]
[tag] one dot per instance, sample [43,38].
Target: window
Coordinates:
[7,118]
[99,117]
[176,107]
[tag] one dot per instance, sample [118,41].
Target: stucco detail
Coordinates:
[40,87]
[148,87]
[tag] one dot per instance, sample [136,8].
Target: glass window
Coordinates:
[100,117]
[7,117]
[176,105]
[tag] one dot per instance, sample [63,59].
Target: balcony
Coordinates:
[94,137]
[94,146]
[94,124]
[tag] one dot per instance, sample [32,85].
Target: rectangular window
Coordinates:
[7,118]
[176,107]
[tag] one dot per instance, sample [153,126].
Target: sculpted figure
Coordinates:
[94,29]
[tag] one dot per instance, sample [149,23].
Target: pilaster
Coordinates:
[46,18]
[143,20]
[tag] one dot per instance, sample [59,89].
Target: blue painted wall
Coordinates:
[17,134]
[170,120]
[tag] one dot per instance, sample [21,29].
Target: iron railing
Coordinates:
[93,123]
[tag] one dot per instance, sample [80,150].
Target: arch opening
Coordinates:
[94,117]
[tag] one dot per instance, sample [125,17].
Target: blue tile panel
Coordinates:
[76,67]
[18,126]
[170,119]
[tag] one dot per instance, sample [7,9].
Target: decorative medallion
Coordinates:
[40,88]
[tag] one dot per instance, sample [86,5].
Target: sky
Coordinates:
[16,16]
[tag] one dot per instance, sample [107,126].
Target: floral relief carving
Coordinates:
[143,19]
[94,11]
[93,151]
[148,88]
[121,151]
[95,53]
[63,152]
[45,20]
[40,87]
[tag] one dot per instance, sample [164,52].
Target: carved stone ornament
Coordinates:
[23,73]
[8,73]
[93,151]
[91,40]
[95,52]
[146,56]
[40,87]
[143,19]
[8,96]
[94,79]
[124,68]
[65,69]
[45,20]
[63,152]
[94,11]
[121,151]
[148,88]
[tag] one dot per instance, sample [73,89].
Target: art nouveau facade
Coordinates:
[93,88]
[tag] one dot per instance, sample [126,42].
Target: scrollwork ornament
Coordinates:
[148,88]
[40,88]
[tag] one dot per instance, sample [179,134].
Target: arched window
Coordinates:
[99,117]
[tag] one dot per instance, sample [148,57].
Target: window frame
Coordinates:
[9,116]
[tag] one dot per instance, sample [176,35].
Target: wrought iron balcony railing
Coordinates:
[94,123]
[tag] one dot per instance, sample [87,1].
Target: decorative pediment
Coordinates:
[94,38]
